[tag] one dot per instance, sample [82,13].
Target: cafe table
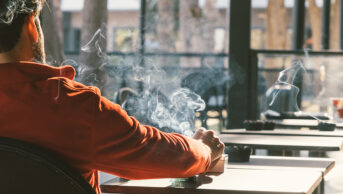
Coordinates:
[286,132]
[232,181]
[262,174]
[324,165]
[300,123]
[282,142]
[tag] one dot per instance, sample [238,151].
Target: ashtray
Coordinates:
[268,125]
[192,179]
[181,182]
[239,153]
[326,126]
[253,125]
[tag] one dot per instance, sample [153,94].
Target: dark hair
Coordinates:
[12,18]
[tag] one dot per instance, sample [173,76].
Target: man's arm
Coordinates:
[124,147]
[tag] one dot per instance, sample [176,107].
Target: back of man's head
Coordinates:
[12,18]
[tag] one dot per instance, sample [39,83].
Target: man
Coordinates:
[43,105]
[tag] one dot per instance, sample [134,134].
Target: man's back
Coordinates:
[32,110]
[42,105]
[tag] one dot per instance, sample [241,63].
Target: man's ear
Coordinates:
[32,28]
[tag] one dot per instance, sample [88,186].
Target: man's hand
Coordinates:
[208,138]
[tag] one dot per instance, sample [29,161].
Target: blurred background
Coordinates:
[191,43]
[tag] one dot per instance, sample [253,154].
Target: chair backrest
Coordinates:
[26,168]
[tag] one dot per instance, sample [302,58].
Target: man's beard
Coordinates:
[38,47]
[38,51]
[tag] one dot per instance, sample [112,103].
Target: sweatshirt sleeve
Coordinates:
[124,147]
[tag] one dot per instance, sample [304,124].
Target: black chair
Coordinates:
[29,169]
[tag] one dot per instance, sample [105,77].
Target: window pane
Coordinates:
[271,24]
[187,26]
[320,80]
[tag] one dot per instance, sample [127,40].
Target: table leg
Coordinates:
[321,154]
[322,186]
[281,153]
[320,189]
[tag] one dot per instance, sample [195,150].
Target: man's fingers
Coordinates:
[216,139]
[199,133]
[208,137]
[209,133]
[213,142]
[221,146]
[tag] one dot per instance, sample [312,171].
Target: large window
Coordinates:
[125,39]
[72,40]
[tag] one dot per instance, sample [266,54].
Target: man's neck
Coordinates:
[14,55]
[7,58]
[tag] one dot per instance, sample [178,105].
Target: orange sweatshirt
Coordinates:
[42,105]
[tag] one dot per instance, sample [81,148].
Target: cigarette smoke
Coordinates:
[284,93]
[162,103]
[321,81]
[94,45]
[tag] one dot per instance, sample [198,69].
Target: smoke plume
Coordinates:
[161,102]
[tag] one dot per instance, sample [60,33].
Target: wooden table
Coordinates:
[232,181]
[281,142]
[300,123]
[265,164]
[286,132]
[323,165]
